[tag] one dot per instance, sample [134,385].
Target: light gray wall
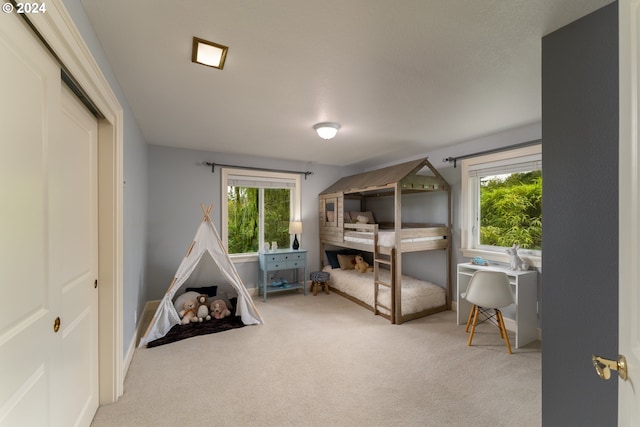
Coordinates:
[531,132]
[135,189]
[179,183]
[429,267]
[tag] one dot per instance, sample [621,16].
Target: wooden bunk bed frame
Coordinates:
[393,181]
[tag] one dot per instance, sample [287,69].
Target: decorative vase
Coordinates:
[295,244]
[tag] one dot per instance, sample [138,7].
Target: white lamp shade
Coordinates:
[327,130]
[295,227]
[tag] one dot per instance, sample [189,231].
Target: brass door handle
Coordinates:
[605,366]
[56,324]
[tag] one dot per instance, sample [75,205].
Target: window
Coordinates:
[502,204]
[257,207]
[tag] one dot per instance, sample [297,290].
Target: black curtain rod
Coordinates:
[495,150]
[213,165]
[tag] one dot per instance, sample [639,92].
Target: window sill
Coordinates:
[534,261]
[240,258]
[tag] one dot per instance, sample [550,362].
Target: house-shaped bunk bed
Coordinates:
[363,214]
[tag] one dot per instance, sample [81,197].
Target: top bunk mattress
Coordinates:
[385,238]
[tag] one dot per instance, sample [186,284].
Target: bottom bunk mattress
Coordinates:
[417,295]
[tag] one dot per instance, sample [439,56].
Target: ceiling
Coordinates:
[402,77]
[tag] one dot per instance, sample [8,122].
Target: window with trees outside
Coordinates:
[256,209]
[502,204]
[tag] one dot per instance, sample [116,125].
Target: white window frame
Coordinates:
[471,204]
[261,178]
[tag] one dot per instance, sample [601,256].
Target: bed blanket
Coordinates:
[417,295]
[181,332]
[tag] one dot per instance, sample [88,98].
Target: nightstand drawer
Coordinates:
[296,264]
[269,258]
[277,265]
[297,257]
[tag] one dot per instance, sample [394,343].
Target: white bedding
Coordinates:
[385,238]
[417,295]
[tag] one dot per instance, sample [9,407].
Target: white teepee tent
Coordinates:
[206,241]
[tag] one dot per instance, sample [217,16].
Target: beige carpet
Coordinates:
[325,361]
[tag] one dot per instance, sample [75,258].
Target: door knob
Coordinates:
[56,324]
[605,366]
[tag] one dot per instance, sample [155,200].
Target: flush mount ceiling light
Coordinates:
[208,53]
[327,130]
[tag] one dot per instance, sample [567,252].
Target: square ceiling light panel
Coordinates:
[208,53]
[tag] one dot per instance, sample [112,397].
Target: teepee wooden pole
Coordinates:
[206,211]
[193,242]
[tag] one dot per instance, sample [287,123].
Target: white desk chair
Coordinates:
[489,290]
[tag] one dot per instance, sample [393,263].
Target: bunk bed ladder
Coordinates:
[380,259]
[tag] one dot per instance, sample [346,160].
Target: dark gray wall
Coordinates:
[580,211]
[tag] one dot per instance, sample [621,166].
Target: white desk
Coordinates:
[525,290]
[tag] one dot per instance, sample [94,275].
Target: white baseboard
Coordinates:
[149,310]
[129,355]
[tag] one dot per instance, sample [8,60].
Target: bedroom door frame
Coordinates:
[629,210]
[59,33]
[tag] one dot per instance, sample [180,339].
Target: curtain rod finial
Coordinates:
[213,165]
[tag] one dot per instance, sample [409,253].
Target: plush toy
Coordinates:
[188,313]
[219,309]
[362,219]
[203,309]
[516,263]
[361,265]
[187,296]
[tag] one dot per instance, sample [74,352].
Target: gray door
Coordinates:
[580,214]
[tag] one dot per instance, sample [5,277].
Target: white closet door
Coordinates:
[73,242]
[46,249]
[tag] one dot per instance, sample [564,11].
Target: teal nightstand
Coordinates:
[278,261]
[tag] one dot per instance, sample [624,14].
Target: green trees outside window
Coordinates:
[244,212]
[511,210]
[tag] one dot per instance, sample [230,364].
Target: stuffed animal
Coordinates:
[187,296]
[188,313]
[361,265]
[362,219]
[203,309]
[516,263]
[219,309]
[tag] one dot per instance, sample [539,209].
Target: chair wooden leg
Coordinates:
[498,317]
[503,330]
[475,322]
[473,307]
